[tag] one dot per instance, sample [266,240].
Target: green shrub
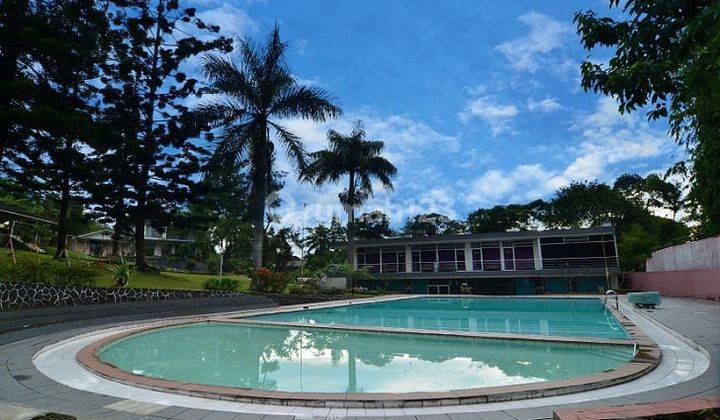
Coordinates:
[278,282]
[259,280]
[222,284]
[238,266]
[48,272]
[230,265]
[76,275]
[213,263]
[265,281]
[122,273]
[310,288]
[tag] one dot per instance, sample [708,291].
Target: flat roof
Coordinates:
[490,236]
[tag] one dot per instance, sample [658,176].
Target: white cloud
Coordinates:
[408,143]
[301,45]
[233,21]
[604,137]
[521,184]
[545,105]
[475,158]
[544,35]
[495,114]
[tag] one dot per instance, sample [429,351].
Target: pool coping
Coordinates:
[443,333]
[647,357]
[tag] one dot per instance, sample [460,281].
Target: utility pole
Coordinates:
[302,242]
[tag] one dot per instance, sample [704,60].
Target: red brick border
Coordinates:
[660,408]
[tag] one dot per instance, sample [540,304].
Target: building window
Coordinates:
[516,255]
[424,258]
[393,260]
[381,260]
[594,251]
[491,256]
[438,258]
[524,255]
[486,256]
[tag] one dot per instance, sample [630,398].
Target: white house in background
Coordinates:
[100,243]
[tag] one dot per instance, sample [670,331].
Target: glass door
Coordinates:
[438,289]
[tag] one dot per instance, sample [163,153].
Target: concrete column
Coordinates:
[537,253]
[468,257]
[380,269]
[408,259]
[502,257]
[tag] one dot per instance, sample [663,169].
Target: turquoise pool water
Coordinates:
[548,316]
[318,360]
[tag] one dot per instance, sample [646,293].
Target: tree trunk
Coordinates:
[351,219]
[62,233]
[260,181]
[139,219]
[149,143]
[117,231]
[256,252]
[140,261]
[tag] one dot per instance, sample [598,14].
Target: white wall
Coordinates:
[698,255]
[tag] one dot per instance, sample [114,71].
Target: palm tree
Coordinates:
[361,161]
[255,91]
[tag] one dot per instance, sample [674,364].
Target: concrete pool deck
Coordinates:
[22,384]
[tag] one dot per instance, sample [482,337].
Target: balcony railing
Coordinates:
[584,262]
[386,268]
[487,265]
[493,265]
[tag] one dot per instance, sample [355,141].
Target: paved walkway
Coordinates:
[24,391]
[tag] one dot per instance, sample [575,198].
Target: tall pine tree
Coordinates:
[56,121]
[154,151]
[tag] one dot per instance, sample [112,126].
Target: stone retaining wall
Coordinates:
[35,295]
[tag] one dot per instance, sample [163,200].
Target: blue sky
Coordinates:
[479,102]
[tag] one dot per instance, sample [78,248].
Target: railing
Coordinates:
[383,268]
[527,264]
[439,267]
[493,265]
[584,262]
[487,265]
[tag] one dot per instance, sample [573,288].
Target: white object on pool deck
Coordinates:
[679,363]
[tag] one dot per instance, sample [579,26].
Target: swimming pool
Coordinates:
[579,317]
[300,359]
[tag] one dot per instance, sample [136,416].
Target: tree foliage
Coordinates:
[432,224]
[256,90]
[503,218]
[667,59]
[56,116]
[361,161]
[146,85]
[320,242]
[373,225]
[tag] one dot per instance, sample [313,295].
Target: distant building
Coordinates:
[100,243]
[522,262]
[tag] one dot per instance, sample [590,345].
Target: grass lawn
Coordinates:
[170,280]
[163,280]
